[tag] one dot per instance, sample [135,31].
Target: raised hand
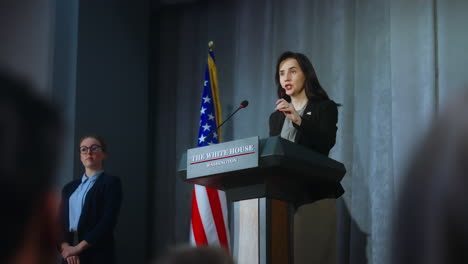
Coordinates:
[289,111]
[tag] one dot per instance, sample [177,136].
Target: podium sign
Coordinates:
[225,157]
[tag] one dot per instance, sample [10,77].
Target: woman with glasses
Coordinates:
[90,208]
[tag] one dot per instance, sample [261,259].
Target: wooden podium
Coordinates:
[287,175]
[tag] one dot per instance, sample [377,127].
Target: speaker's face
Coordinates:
[291,77]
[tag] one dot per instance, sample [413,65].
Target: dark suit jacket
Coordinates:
[318,132]
[318,127]
[98,218]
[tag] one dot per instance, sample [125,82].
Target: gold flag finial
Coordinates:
[211,45]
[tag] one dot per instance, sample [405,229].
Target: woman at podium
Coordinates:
[306,115]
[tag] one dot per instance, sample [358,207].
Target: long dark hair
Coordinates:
[312,86]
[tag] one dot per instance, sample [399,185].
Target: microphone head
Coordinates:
[282,95]
[244,104]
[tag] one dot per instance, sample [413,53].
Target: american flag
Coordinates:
[209,224]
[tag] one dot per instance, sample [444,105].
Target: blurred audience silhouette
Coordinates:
[191,255]
[432,216]
[30,136]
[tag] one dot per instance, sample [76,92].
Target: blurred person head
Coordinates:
[431,224]
[30,134]
[307,80]
[196,255]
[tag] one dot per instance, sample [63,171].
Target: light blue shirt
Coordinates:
[77,199]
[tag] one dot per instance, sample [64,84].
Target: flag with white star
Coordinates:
[208,120]
[209,224]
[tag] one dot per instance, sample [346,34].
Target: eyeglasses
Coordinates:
[93,148]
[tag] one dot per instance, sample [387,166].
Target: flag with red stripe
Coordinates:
[209,225]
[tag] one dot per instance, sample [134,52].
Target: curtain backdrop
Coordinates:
[391,64]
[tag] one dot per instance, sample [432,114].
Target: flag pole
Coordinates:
[211,45]
[214,87]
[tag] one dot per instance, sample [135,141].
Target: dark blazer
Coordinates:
[318,127]
[98,218]
[318,132]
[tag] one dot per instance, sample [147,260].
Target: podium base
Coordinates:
[263,234]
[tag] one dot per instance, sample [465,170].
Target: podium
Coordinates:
[266,181]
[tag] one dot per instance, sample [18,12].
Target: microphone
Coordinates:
[243,104]
[283,96]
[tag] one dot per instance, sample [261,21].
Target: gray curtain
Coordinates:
[391,64]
